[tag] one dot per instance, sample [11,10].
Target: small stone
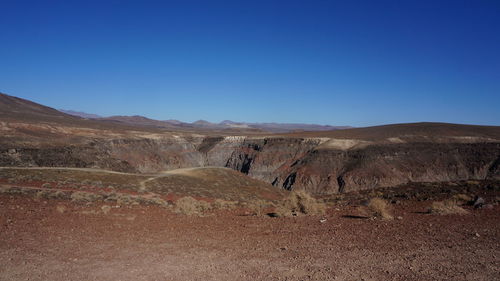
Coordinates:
[478,202]
[477,234]
[399,217]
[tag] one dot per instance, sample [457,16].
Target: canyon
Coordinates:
[325,162]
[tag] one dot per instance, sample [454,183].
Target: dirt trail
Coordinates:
[142,184]
[181,171]
[93,170]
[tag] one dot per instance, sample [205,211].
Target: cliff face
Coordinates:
[319,165]
[266,157]
[305,163]
[332,171]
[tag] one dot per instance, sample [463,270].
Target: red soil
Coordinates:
[38,242]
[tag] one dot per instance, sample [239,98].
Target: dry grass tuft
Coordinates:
[300,202]
[258,206]
[105,209]
[12,190]
[156,201]
[462,198]
[81,196]
[446,207]
[61,209]
[190,206]
[379,208]
[220,204]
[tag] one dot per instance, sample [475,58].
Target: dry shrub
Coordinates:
[81,196]
[127,199]
[300,202]
[258,206]
[156,201]
[105,209]
[462,198]
[220,204]
[13,190]
[61,209]
[56,195]
[51,194]
[472,182]
[41,194]
[446,207]
[111,197]
[86,182]
[379,208]
[190,206]
[124,199]
[120,199]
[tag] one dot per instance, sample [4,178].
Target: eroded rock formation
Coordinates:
[319,165]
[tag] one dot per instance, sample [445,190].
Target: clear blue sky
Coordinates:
[346,62]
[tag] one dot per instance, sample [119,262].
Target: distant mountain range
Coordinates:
[81,114]
[138,120]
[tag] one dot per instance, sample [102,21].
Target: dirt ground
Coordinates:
[61,240]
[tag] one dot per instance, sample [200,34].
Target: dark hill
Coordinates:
[17,107]
[409,131]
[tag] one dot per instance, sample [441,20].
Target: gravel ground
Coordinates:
[60,240]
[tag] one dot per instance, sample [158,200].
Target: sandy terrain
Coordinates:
[61,240]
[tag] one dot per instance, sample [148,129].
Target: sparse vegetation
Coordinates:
[258,206]
[462,198]
[12,190]
[190,206]
[61,209]
[446,207]
[300,202]
[154,201]
[80,196]
[220,204]
[379,208]
[105,209]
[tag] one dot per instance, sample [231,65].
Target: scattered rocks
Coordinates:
[478,202]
